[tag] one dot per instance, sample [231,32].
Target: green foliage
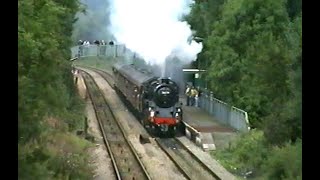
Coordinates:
[44,88]
[246,154]
[294,8]
[71,115]
[246,47]
[72,160]
[285,121]
[251,153]
[202,17]
[48,101]
[285,163]
[56,156]
[252,51]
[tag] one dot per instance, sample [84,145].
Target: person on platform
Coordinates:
[193,95]
[188,94]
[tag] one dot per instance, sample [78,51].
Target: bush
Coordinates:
[285,163]
[48,105]
[29,165]
[251,156]
[245,154]
[69,156]
[56,156]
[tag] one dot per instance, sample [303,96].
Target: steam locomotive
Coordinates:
[154,100]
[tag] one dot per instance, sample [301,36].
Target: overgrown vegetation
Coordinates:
[49,108]
[252,51]
[252,156]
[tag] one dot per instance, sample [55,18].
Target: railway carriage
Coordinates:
[154,100]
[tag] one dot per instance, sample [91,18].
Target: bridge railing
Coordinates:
[223,112]
[102,50]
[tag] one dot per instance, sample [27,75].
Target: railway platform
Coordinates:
[204,129]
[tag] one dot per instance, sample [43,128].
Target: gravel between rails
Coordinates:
[157,163]
[126,163]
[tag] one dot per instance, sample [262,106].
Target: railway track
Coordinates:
[125,161]
[106,75]
[185,160]
[188,164]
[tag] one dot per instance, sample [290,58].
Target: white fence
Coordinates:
[102,50]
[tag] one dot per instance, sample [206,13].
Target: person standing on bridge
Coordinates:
[103,48]
[80,50]
[97,42]
[86,48]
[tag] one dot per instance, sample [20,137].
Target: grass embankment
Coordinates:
[57,152]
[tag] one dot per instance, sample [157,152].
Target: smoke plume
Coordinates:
[154,30]
[92,25]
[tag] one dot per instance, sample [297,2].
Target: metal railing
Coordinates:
[102,50]
[224,113]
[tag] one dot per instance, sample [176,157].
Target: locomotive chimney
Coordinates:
[164,80]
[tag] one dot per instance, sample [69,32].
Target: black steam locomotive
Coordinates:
[154,100]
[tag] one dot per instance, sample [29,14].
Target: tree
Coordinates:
[254,52]
[45,85]
[250,49]
[290,115]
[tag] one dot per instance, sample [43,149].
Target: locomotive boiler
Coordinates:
[154,100]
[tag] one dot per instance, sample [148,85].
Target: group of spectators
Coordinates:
[95,42]
[192,96]
[83,47]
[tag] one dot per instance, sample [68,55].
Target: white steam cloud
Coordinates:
[152,28]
